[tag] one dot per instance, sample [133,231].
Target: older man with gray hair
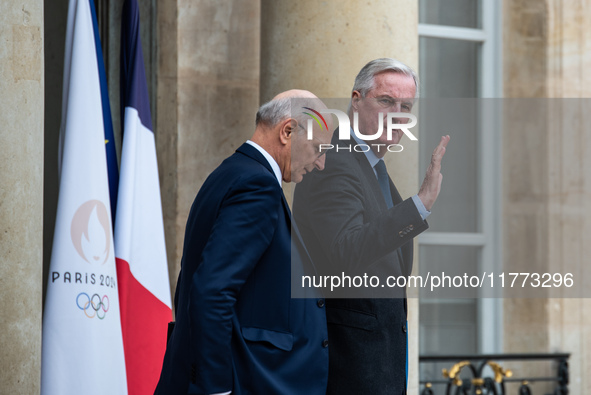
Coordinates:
[237,328]
[354,222]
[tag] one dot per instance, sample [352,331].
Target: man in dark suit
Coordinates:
[354,221]
[237,329]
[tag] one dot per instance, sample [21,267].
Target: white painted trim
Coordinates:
[452,238]
[456,301]
[490,311]
[491,59]
[490,320]
[451,32]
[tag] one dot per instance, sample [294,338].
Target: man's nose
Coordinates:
[319,163]
[400,119]
[393,106]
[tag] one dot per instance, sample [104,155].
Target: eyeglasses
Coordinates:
[389,102]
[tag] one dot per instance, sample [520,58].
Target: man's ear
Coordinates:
[355,98]
[288,128]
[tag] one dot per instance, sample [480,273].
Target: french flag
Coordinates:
[142,270]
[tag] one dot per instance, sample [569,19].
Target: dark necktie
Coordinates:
[384,182]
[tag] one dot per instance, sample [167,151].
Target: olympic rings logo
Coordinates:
[94,306]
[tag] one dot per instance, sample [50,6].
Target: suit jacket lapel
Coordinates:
[369,177]
[253,153]
[372,181]
[396,198]
[295,233]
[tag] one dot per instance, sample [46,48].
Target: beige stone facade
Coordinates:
[21,194]
[546,174]
[213,63]
[208,90]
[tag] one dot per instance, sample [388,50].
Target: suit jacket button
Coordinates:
[411,227]
[325,343]
[404,328]
[320,303]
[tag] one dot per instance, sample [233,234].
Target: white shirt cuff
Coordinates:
[421,207]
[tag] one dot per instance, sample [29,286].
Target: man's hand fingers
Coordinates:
[432,183]
[442,144]
[440,151]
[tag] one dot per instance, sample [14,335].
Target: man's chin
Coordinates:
[396,137]
[394,140]
[297,177]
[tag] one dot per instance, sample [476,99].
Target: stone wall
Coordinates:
[547,182]
[208,90]
[21,194]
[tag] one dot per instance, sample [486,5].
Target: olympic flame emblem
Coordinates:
[91,231]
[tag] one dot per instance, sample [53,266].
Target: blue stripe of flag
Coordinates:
[112,166]
[134,90]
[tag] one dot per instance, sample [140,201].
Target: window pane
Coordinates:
[453,261]
[457,208]
[448,68]
[460,13]
[448,326]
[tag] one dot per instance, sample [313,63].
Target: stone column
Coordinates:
[21,194]
[547,214]
[321,46]
[208,90]
[165,127]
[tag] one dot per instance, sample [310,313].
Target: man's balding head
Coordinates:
[295,93]
[280,107]
[281,126]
